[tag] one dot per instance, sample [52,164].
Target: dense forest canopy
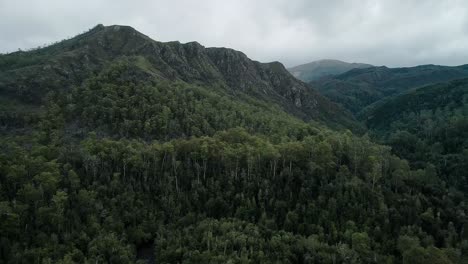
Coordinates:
[427,125]
[360,89]
[130,157]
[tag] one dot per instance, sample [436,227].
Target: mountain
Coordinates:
[120,149]
[29,76]
[359,88]
[323,68]
[451,97]
[427,125]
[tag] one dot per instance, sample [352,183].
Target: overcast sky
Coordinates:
[380,32]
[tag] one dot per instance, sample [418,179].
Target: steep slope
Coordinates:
[359,88]
[449,97]
[323,68]
[428,125]
[28,76]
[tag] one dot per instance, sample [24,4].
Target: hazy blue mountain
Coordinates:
[322,68]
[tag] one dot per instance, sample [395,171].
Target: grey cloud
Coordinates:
[391,32]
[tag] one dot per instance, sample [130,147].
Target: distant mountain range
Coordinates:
[359,88]
[356,86]
[443,97]
[322,68]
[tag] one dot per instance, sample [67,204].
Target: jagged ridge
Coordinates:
[72,61]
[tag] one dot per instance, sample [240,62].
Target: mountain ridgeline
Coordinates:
[359,88]
[120,149]
[30,76]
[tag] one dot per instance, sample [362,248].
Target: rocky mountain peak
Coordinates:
[73,61]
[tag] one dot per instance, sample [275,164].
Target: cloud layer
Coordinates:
[380,32]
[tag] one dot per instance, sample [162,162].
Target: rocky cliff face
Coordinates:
[72,61]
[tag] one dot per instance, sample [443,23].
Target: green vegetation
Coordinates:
[168,153]
[233,196]
[123,106]
[359,88]
[70,63]
[428,127]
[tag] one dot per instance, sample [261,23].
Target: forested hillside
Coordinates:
[120,149]
[29,76]
[428,126]
[359,88]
